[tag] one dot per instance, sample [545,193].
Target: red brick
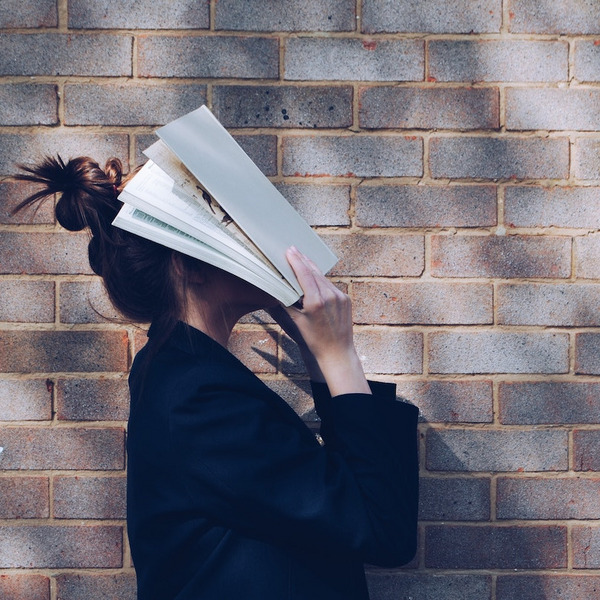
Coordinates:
[256,349]
[62,448]
[586,450]
[427,303]
[95,586]
[496,450]
[24,587]
[25,399]
[52,351]
[500,256]
[587,353]
[549,402]
[26,301]
[498,352]
[499,157]
[493,547]
[449,401]
[429,108]
[390,351]
[92,399]
[556,304]
[59,547]
[36,253]
[547,499]
[85,302]
[89,497]
[387,255]
[426,206]
[454,499]
[586,548]
[587,257]
[24,498]
[547,587]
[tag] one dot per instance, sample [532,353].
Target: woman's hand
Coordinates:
[323,329]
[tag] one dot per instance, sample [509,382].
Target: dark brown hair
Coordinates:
[138,274]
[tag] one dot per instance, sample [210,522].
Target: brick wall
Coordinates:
[449,151]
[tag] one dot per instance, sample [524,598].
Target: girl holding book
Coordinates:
[230,495]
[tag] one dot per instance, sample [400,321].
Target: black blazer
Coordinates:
[231,497]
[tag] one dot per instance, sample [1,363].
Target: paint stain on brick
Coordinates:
[596,42]
[431,79]
[369,45]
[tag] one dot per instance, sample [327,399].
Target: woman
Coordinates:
[230,496]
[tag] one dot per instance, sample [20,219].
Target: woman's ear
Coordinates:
[188,268]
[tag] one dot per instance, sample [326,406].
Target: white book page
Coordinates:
[230,176]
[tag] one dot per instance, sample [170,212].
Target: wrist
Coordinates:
[344,374]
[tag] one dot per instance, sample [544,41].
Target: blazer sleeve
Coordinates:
[254,468]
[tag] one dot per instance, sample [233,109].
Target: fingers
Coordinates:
[314,284]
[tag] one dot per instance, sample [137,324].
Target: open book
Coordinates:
[201,194]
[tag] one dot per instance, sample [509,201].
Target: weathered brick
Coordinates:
[586,158]
[500,256]
[586,549]
[499,157]
[498,60]
[449,401]
[393,586]
[24,498]
[144,14]
[547,499]
[587,257]
[429,108]
[61,54]
[390,351]
[89,497]
[25,399]
[556,304]
[497,450]
[256,349]
[85,302]
[29,148]
[208,56]
[587,60]
[586,450]
[548,16]
[331,59]
[558,206]
[587,353]
[11,194]
[39,253]
[429,16]
[426,206]
[498,352]
[492,547]
[553,109]
[28,13]
[61,547]
[62,448]
[454,499]
[92,400]
[44,351]
[547,587]
[352,156]
[283,106]
[110,104]
[426,303]
[26,301]
[372,255]
[286,15]
[95,586]
[319,204]
[28,104]
[24,587]
[539,402]
[296,392]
